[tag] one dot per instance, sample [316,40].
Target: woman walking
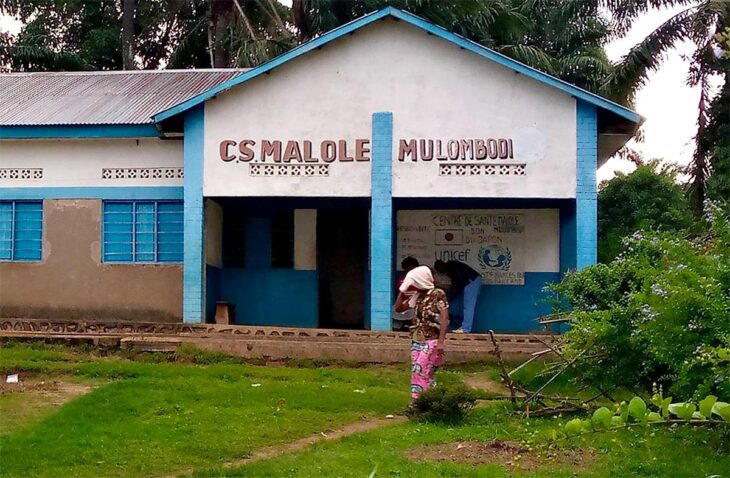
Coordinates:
[428,330]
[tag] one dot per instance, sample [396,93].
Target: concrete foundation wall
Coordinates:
[71,281]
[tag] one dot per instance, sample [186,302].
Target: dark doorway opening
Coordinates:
[342,257]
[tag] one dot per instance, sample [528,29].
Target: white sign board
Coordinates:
[490,242]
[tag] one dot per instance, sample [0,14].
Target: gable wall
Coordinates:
[435,91]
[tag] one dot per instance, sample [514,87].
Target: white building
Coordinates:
[293,190]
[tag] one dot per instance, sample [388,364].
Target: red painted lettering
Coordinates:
[271,148]
[223,149]
[244,147]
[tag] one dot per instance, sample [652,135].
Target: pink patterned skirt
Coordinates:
[424,362]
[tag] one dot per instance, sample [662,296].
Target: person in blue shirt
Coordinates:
[466,281]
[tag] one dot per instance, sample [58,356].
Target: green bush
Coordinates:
[658,313]
[443,404]
[648,198]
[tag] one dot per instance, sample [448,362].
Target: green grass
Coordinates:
[667,454]
[167,417]
[156,414]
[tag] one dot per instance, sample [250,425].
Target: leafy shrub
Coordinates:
[659,313]
[648,198]
[443,404]
[708,410]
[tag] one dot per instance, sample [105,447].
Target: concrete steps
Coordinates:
[274,343]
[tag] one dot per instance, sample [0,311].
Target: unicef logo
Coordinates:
[495,256]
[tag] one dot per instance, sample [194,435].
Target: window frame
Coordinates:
[14,229]
[155,232]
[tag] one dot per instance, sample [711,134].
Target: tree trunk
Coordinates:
[302,20]
[698,166]
[221,17]
[128,34]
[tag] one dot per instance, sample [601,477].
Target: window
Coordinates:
[143,231]
[21,230]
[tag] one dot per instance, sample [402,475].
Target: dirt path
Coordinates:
[24,402]
[512,455]
[482,382]
[57,392]
[284,448]
[298,445]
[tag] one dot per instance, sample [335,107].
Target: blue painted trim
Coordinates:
[567,237]
[193,210]
[80,131]
[381,223]
[273,297]
[508,308]
[586,193]
[423,25]
[258,243]
[107,192]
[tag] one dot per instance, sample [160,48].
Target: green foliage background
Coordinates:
[658,313]
[646,199]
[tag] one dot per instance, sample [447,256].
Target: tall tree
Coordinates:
[220,21]
[716,138]
[128,34]
[248,33]
[699,23]
[88,35]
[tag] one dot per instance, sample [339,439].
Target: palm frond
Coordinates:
[624,12]
[631,72]
[698,168]
[530,55]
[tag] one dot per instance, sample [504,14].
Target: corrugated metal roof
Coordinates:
[118,97]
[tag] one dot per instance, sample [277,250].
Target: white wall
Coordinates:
[79,163]
[434,89]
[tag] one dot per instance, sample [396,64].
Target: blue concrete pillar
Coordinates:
[193,266]
[586,195]
[381,223]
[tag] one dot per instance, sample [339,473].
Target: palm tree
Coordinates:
[247,33]
[700,23]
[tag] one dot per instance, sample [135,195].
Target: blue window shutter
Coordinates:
[170,232]
[21,230]
[143,231]
[118,227]
[6,231]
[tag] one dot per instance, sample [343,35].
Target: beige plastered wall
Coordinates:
[71,282]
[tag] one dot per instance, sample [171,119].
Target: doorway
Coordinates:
[342,257]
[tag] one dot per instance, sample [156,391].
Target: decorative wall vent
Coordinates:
[21,173]
[289,169]
[142,173]
[483,170]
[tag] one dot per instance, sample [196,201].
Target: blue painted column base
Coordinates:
[586,194]
[194,212]
[381,223]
